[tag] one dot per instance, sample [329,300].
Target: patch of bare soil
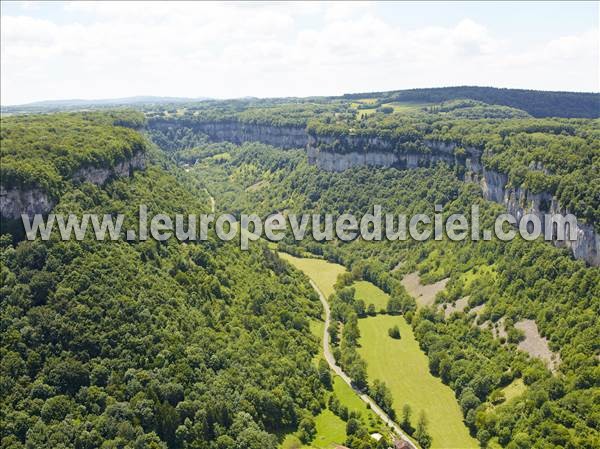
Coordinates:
[423,294]
[477,309]
[536,345]
[458,306]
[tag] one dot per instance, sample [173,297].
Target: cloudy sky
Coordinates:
[106,50]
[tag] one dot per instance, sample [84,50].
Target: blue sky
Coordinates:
[56,50]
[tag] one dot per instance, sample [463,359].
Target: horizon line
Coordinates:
[206,98]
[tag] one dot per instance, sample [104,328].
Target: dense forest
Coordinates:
[537,103]
[514,281]
[44,151]
[151,344]
[560,157]
[172,344]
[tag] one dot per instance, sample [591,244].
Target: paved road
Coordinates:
[337,370]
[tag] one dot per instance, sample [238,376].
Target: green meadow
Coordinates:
[323,273]
[514,389]
[317,328]
[331,430]
[404,368]
[400,363]
[371,294]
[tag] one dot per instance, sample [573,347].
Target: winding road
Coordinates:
[212,201]
[337,370]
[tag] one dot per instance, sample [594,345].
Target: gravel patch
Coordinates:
[535,345]
[458,306]
[423,294]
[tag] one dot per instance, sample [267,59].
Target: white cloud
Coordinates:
[228,50]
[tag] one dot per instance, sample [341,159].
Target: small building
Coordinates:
[376,436]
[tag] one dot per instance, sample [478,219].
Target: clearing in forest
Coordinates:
[458,306]
[423,294]
[322,272]
[371,294]
[405,369]
[535,345]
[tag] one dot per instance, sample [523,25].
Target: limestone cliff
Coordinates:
[494,185]
[377,152]
[519,202]
[240,132]
[15,201]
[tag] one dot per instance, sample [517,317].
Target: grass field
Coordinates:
[470,276]
[401,364]
[406,106]
[323,273]
[515,388]
[331,430]
[404,368]
[316,328]
[371,294]
[348,397]
[366,112]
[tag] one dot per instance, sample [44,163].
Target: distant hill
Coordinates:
[538,103]
[54,105]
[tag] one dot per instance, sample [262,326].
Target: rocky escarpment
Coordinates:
[240,132]
[494,185]
[383,153]
[99,175]
[379,152]
[15,201]
[519,202]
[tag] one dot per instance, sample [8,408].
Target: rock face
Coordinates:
[385,156]
[384,153]
[239,132]
[494,185]
[99,175]
[519,202]
[15,201]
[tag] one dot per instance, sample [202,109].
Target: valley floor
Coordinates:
[399,363]
[404,368]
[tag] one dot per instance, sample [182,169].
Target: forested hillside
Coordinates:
[185,344]
[505,283]
[556,157]
[537,103]
[150,344]
[560,157]
[45,150]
